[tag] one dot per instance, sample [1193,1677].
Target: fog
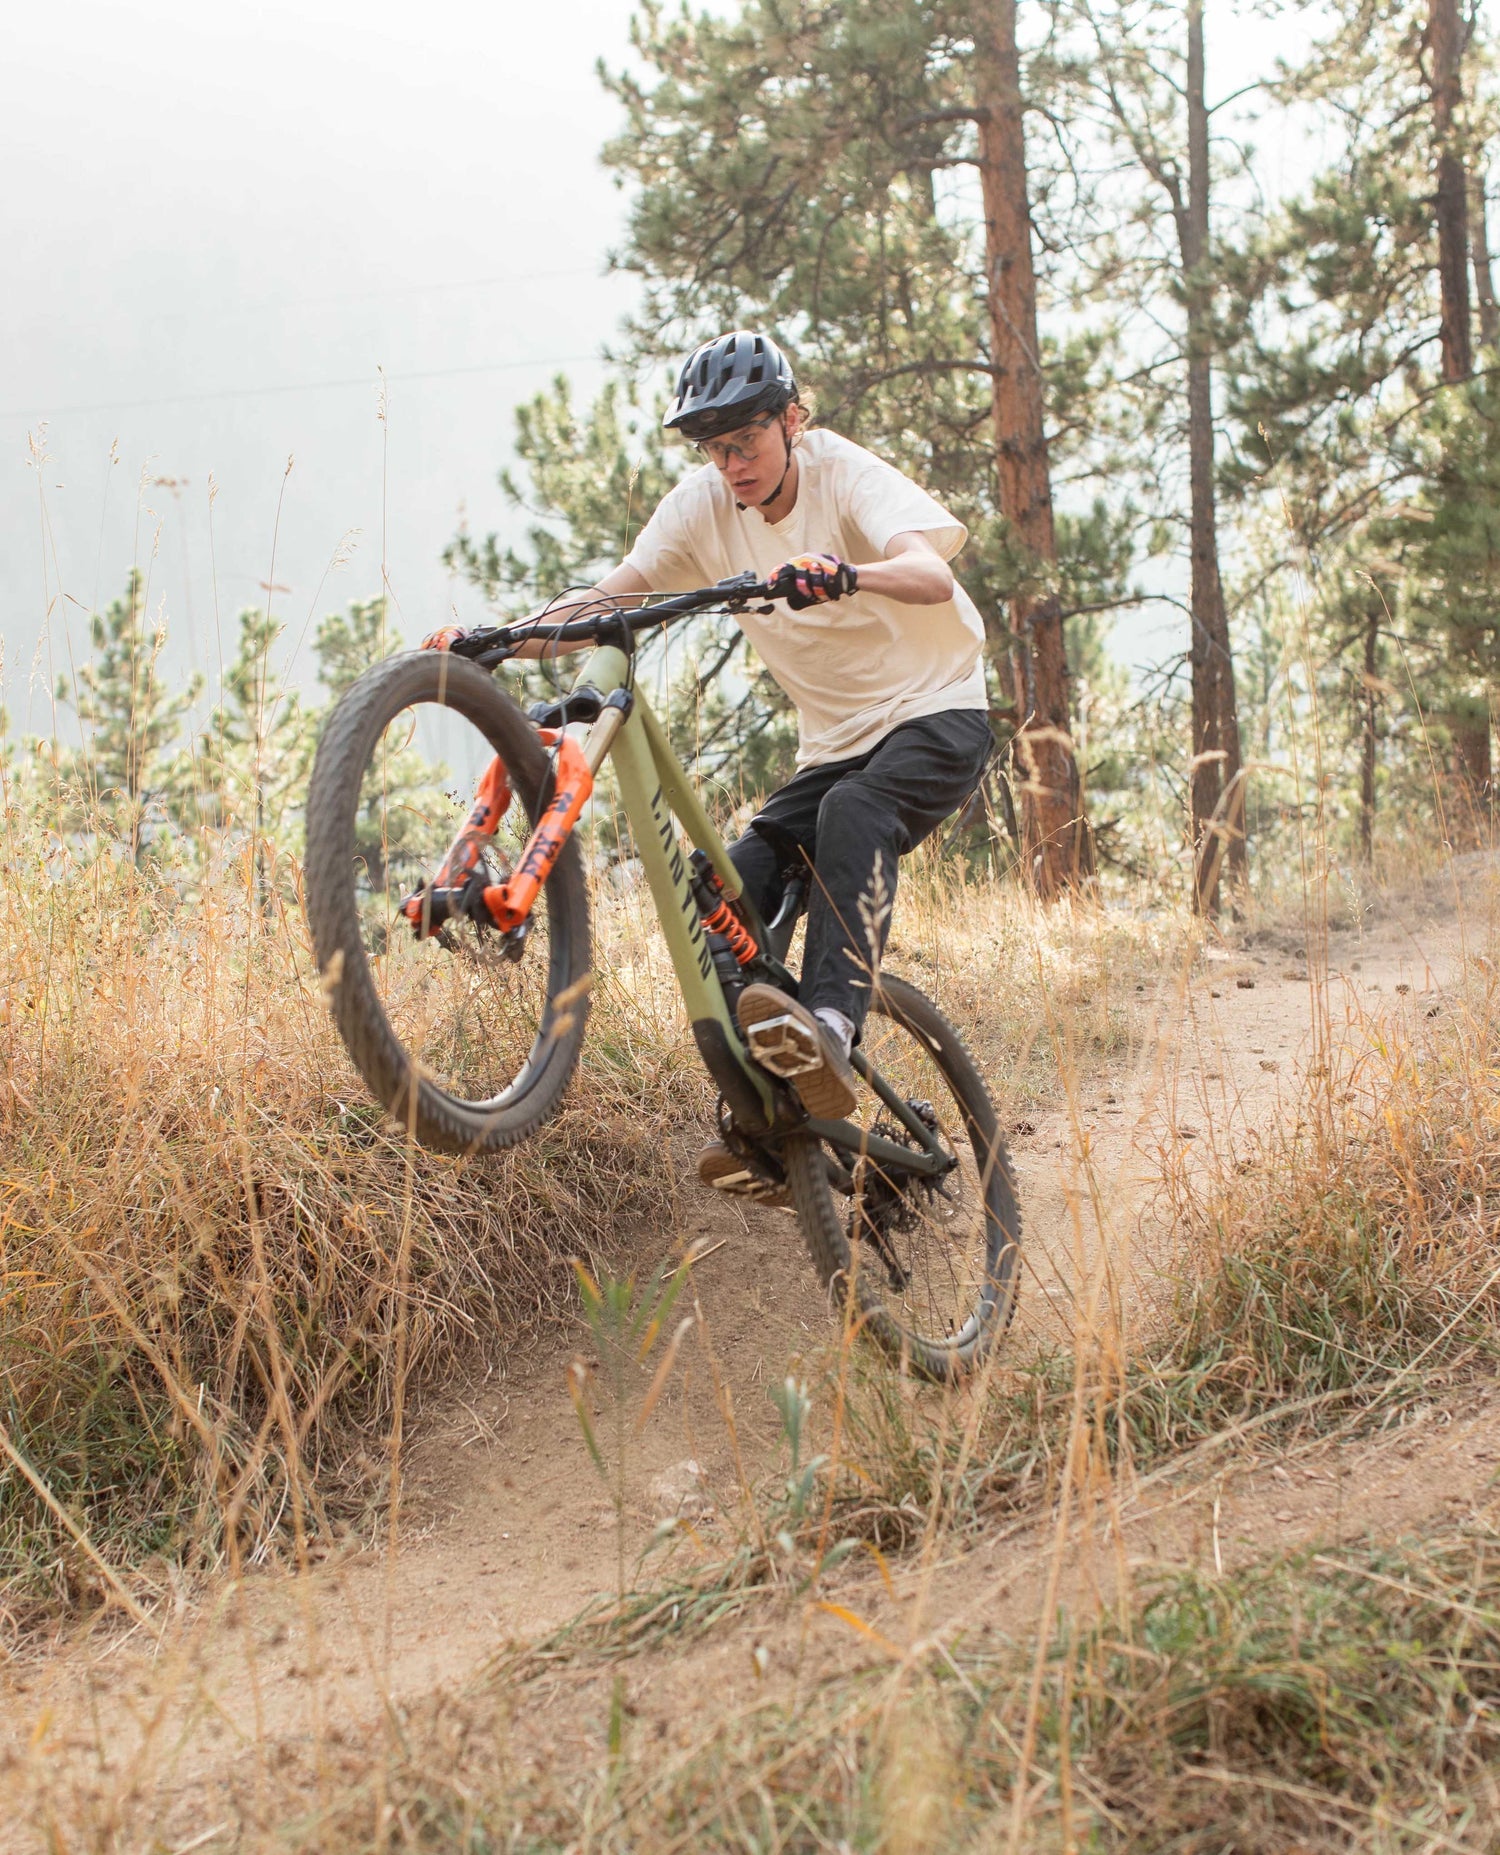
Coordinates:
[227,221]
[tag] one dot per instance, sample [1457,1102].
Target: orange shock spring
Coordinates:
[725,921]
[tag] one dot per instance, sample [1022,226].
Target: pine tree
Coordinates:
[590,483]
[254,756]
[1056,844]
[401,788]
[347,643]
[1353,377]
[127,774]
[1147,83]
[785,159]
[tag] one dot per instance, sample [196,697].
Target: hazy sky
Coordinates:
[227,218]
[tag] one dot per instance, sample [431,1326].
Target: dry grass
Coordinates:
[1316,1700]
[1044,994]
[1323,1698]
[223,1282]
[220,1272]
[1350,1245]
[1337,1264]
[222,1276]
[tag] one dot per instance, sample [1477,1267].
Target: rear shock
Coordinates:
[730,942]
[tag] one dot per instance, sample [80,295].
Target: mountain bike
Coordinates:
[453,939]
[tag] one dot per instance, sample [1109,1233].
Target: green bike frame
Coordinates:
[655,788]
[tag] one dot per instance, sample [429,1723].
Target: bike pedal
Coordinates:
[784,1046]
[759,1191]
[739,1184]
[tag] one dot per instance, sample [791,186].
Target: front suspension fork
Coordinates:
[456,889]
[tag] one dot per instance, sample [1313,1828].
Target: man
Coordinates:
[878,649]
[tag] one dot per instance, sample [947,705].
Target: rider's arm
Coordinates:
[622,583]
[913,571]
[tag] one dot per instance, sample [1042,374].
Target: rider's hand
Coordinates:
[811,579]
[444,638]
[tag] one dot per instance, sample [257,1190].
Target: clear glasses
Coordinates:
[721,451]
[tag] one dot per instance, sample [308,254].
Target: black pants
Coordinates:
[854,818]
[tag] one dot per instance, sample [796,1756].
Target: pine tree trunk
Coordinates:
[1217,785]
[1367,739]
[1473,773]
[1484,276]
[1445,43]
[1057,848]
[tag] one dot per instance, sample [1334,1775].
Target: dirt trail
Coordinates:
[506,1527]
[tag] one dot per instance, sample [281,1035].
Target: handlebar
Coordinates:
[490,645]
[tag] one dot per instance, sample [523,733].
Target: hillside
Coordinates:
[464,1659]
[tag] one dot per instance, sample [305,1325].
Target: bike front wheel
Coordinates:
[929,1269]
[468,1037]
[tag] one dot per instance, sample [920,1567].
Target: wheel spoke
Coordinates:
[469,1014]
[929,1255]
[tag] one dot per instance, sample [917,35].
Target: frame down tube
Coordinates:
[643,782]
[678,791]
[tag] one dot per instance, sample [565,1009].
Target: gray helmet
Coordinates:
[727,381]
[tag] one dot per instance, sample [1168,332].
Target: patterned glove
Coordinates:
[445,638]
[811,579]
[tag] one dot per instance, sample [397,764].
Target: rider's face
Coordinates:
[752,459]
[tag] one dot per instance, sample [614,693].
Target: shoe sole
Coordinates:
[783,1042]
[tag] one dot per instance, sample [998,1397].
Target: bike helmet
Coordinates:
[725,382]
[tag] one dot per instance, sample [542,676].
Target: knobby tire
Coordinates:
[822,1217]
[432,1115]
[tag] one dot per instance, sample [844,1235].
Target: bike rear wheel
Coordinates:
[932,1269]
[468,1039]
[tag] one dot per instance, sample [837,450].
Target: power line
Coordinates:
[238,310]
[302,386]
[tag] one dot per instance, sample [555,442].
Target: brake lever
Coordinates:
[486,646]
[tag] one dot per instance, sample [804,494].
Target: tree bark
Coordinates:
[1471,765]
[1484,275]
[1367,741]
[1217,783]
[1445,44]
[1057,848]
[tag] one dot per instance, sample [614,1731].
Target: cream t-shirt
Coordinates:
[856,667]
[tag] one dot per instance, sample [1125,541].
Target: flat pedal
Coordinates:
[747,1184]
[726,1172]
[785,1046]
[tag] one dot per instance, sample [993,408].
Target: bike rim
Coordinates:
[474,1018]
[925,1256]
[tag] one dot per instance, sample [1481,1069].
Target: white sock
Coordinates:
[839,1027]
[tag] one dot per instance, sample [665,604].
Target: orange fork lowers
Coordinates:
[511,902]
[508,903]
[466,852]
[491,802]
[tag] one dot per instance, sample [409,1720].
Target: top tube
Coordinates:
[493,644]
